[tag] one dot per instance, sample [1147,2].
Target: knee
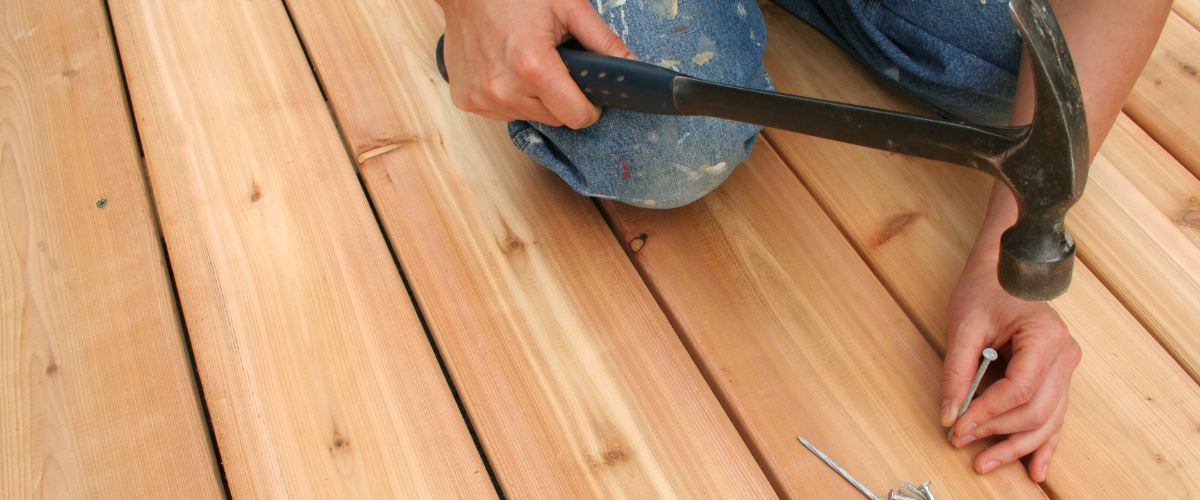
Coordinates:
[680,161]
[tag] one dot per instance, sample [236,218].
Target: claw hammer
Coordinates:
[1044,164]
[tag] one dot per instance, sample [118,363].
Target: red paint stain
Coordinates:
[625,168]
[679,29]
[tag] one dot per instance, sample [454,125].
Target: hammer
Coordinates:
[1044,164]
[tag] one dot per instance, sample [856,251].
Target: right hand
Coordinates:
[501,58]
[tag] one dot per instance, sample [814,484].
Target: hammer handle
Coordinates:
[611,82]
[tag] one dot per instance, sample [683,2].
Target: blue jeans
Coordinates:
[959,57]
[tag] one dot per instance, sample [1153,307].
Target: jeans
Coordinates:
[959,57]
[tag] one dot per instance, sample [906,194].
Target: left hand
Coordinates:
[1029,403]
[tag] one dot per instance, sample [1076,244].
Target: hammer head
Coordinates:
[1047,170]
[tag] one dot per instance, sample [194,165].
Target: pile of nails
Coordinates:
[922,492]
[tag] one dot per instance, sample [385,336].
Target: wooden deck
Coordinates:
[250,249]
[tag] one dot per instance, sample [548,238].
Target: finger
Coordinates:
[1020,444]
[1039,464]
[543,75]
[589,28]
[492,115]
[531,108]
[1034,352]
[958,370]
[1040,407]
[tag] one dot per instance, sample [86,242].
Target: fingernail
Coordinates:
[946,413]
[633,57]
[967,430]
[965,441]
[1045,470]
[990,465]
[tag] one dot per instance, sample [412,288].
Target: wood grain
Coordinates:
[799,337]
[1134,411]
[1144,257]
[1166,98]
[319,378]
[1189,10]
[1157,175]
[575,381]
[99,398]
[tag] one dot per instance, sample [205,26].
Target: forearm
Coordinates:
[1110,41]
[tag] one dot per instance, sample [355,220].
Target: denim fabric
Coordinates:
[958,56]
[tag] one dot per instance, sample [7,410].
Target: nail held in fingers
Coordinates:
[989,355]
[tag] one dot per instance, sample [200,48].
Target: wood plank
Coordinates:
[1132,421]
[1137,251]
[1189,10]
[99,398]
[575,381]
[1157,175]
[799,337]
[1166,98]
[319,378]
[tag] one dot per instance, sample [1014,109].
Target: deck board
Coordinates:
[1157,175]
[914,222]
[98,398]
[799,337]
[1166,98]
[319,378]
[573,378]
[1189,10]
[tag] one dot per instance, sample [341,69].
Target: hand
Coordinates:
[501,59]
[1029,403]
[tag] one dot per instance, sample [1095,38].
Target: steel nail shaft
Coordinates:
[989,355]
[833,465]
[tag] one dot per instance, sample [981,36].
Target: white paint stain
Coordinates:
[624,25]
[741,10]
[650,203]
[702,57]
[714,169]
[652,136]
[605,7]
[668,63]
[535,139]
[681,139]
[692,174]
[665,9]
[893,73]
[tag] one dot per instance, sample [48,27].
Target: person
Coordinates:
[962,58]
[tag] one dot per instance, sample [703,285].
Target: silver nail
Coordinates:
[828,461]
[989,355]
[928,492]
[914,489]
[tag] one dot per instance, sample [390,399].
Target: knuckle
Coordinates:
[950,376]
[1039,416]
[1073,354]
[1023,392]
[529,68]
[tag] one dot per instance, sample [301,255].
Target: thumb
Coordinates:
[958,370]
[590,29]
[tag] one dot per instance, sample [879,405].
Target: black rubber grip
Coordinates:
[609,81]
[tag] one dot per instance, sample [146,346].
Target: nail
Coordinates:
[990,465]
[1045,470]
[837,468]
[945,415]
[989,355]
[967,430]
[965,441]
[928,492]
[914,489]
